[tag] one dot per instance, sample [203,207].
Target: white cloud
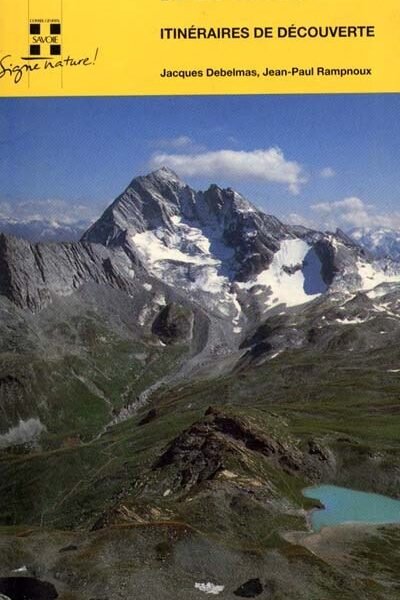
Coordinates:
[352,212]
[297,219]
[327,173]
[265,165]
[54,210]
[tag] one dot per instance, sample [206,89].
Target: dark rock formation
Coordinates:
[173,324]
[198,453]
[24,588]
[250,589]
[70,548]
[150,416]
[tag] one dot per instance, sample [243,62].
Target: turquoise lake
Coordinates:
[343,505]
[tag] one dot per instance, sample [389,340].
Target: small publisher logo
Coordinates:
[45,53]
[44,39]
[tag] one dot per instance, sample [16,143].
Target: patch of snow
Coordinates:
[236,304]
[298,287]
[159,300]
[377,292]
[143,315]
[355,321]
[26,432]
[148,287]
[385,308]
[241,205]
[22,569]
[130,272]
[188,256]
[258,292]
[166,493]
[237,330]
[335,243]
[156,246]
[168,175]
[372,276]
[208,280]
[209,588]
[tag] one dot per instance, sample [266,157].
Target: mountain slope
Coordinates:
[205,273]
[172,382]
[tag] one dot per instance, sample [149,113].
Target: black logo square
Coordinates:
[55,49]
[34,28]
[34,49]
[55,28]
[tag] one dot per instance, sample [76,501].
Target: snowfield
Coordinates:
[294,275]
[372,276]
[185,253]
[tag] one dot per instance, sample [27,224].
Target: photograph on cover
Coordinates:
[199,347]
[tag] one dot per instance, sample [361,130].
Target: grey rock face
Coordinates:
[43,230]
[30,274]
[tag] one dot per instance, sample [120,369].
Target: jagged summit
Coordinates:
[152,200]
[191,222]
[165,173]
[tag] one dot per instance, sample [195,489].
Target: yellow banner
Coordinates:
[156,47]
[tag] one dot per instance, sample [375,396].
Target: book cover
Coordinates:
[199,299]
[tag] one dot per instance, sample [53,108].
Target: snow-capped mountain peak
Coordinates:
[215,245]
[212,246]
[380,241]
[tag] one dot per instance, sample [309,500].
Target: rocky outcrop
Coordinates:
[174,323]
[252,588]
[27,587]
[198,454]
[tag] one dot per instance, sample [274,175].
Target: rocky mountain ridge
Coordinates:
[215,246]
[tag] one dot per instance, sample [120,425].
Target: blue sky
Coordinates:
[325,159]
